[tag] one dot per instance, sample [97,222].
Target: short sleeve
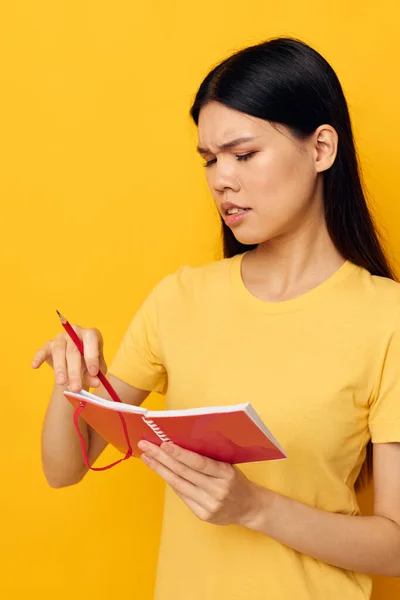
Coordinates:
[138,360]
[384,415]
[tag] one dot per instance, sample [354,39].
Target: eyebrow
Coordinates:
[227,145]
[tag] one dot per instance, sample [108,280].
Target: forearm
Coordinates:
[61,452]
[364,544]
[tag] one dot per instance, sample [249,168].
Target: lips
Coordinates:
[229,206]
[236,218]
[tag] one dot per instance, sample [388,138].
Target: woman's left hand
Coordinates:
[216,492]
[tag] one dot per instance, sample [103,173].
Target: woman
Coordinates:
[301,317]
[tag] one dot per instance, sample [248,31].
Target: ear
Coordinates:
[325,144]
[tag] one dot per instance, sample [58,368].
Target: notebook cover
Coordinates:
[229,437]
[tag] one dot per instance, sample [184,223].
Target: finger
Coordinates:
[74,366]
[92,343]
[197,462]
[58,349]
[201,480]
[93,382]
[41,356]
[103,364]
[197,510]
[179,485]
[90,381]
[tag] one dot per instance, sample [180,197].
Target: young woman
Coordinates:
[301,317]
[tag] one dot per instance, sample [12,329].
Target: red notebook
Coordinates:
[233,434]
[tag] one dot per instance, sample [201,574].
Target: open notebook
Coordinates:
[233,434]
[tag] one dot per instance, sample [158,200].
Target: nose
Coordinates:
[224,177]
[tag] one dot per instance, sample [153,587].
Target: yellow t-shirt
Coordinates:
[323,372]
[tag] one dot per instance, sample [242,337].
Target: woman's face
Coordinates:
[269,173]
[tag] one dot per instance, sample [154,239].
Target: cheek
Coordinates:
[280,178]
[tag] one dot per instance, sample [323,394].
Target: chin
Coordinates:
[252,236]
[250,239]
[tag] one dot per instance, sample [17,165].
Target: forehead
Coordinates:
[219,119]
[219,124]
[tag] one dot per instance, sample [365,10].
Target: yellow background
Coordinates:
[101,195]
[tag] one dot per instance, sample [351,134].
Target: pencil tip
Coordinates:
[62,319]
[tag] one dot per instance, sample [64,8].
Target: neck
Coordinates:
[290,265]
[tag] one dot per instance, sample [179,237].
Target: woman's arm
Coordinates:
[61,452]
[220,493]
[365,544]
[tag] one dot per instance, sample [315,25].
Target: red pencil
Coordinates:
[79,344]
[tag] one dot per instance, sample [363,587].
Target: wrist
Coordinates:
[260,508]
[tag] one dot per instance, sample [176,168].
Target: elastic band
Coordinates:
[77,412]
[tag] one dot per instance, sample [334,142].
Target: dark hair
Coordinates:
[283,80]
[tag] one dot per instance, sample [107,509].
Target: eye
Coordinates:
[245,156]
[239,157]
[210,162]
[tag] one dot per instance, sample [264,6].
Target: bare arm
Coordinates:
[368,544]
[61,452]
[219,493]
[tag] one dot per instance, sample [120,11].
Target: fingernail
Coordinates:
[60,379]
[34,364]
[92,370]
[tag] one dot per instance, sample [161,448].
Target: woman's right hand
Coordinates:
[70,368]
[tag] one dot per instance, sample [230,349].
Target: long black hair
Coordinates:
[283,80]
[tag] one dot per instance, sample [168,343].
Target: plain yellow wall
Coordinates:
[102,194]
